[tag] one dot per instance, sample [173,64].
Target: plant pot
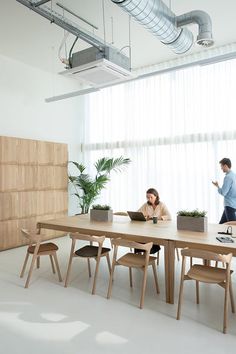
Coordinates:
[192,223]
[101,215]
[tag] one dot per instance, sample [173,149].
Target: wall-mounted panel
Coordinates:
[33,186]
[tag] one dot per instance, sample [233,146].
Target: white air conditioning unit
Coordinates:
[99,73]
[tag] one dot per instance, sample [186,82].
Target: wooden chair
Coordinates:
[88,251]
[37,249]
[208,274]
[134,260]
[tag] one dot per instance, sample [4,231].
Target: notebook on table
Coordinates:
[136,215]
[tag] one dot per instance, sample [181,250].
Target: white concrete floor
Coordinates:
[48,318]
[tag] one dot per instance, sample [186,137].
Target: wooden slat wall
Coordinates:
[33,186]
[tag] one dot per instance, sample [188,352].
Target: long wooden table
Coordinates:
[163,233]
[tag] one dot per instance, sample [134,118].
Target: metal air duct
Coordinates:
[163,23]
[203,20]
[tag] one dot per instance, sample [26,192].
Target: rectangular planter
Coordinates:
[192,223]
[101,215]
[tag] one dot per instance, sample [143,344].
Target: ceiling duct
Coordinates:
[203,20]
[163,23]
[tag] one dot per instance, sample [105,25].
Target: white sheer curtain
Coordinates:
[175,127]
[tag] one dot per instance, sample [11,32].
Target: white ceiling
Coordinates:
[28,37]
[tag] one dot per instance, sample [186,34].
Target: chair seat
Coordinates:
[207,274]
[44,247]
[91,251]
[135,260]
[154,249]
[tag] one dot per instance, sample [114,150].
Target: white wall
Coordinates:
[24,113]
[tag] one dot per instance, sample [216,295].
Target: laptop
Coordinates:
[136,215]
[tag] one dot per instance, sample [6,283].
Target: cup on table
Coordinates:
[154,219]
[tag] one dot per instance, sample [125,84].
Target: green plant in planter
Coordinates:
[101,207]
[87,188]
[194,213]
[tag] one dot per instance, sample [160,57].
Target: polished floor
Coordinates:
[48,318]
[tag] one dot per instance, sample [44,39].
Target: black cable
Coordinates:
[70,52]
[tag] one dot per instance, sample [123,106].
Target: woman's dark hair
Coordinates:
[226,161]
[154,192]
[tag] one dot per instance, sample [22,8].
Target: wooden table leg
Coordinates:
[170,271]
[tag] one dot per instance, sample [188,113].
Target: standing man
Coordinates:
[228,190]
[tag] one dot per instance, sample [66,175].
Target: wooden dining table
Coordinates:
[164,233]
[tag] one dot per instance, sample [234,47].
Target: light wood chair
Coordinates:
[208,274]
[88,251]
[37,249]
[134,260]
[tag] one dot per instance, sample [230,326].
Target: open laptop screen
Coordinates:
[136,215]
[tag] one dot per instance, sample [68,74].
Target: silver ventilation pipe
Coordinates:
[203,20]
[160,21]
[163,23]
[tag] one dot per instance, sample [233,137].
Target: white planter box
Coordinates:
[101,215]
[192,223]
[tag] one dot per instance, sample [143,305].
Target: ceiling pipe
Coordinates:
[203,20]
[163,23]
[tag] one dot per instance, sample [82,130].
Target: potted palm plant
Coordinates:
[194,220]
[88,188]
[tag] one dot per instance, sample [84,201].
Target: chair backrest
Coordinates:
[206,255]
[83,237]
[33,236]
[145,247]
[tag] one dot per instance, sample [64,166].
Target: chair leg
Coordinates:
[24,265]
[108,262]
[68,270]
[111,280]
[31,270]
[155,278]
[130,277]
[180,300]
[89,267]
[143,287]
[197,292]
[95,275]
[181,288]
[226,308]
[231,296]
[52,264]
[57,266]
[38,262]
[177,253]
[158,258]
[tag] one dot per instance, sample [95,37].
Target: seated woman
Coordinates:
[154,207]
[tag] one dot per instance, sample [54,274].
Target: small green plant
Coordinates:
[193,213]
[101,207]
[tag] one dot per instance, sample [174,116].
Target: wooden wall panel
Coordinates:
[33,187]
[8,177]
[8,150]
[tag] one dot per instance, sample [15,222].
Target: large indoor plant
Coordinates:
[88,188]
[194,220]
